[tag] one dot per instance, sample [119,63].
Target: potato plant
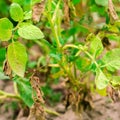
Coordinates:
[74,47]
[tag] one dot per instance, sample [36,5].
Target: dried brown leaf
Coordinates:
[37,110]
[7,69]
[66,13]
[37,11]
[114,94]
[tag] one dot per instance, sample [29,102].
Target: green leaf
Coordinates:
[83,64]
[96,46]
[101,80]
[21,2]
[17,58]
[30,32]
[35,1]
[2,54]
[113,37]
[27,15]
[76,1]
[25,90]
[5,29]
[56,56]
[111,60]
[115,80]
[16,12]
[102,2]
[113,28]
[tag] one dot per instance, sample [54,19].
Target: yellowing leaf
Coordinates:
[101,80]
[17,58]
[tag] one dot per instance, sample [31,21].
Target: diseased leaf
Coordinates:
[102,2]
[16,12]
[25,90]
[17,58]
[111,60]
[96,46]
[5,29]
[101,80]
[30,32]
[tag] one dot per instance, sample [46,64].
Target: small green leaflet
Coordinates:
[111,59]
[5,29]
[102,2]
[96,46]
[30,32]
[16,12]
[17,58]
[25,90]
[101,80]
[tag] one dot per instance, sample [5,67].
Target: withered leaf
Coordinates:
[113,93]
[7,69]
[66,13]
[37,11]
[37,111]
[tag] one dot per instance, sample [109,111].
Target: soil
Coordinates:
[103,109]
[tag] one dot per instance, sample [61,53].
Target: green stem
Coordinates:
[70,46]
[15,88]
[9,95]
[51,112]
[16,27]
[53,27]
[91,57]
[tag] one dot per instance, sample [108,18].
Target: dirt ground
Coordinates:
[103,109]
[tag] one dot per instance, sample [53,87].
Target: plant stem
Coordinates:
[91,57]
[51,112]
[70,46]
[9,95]
[53,27]
[15,88]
